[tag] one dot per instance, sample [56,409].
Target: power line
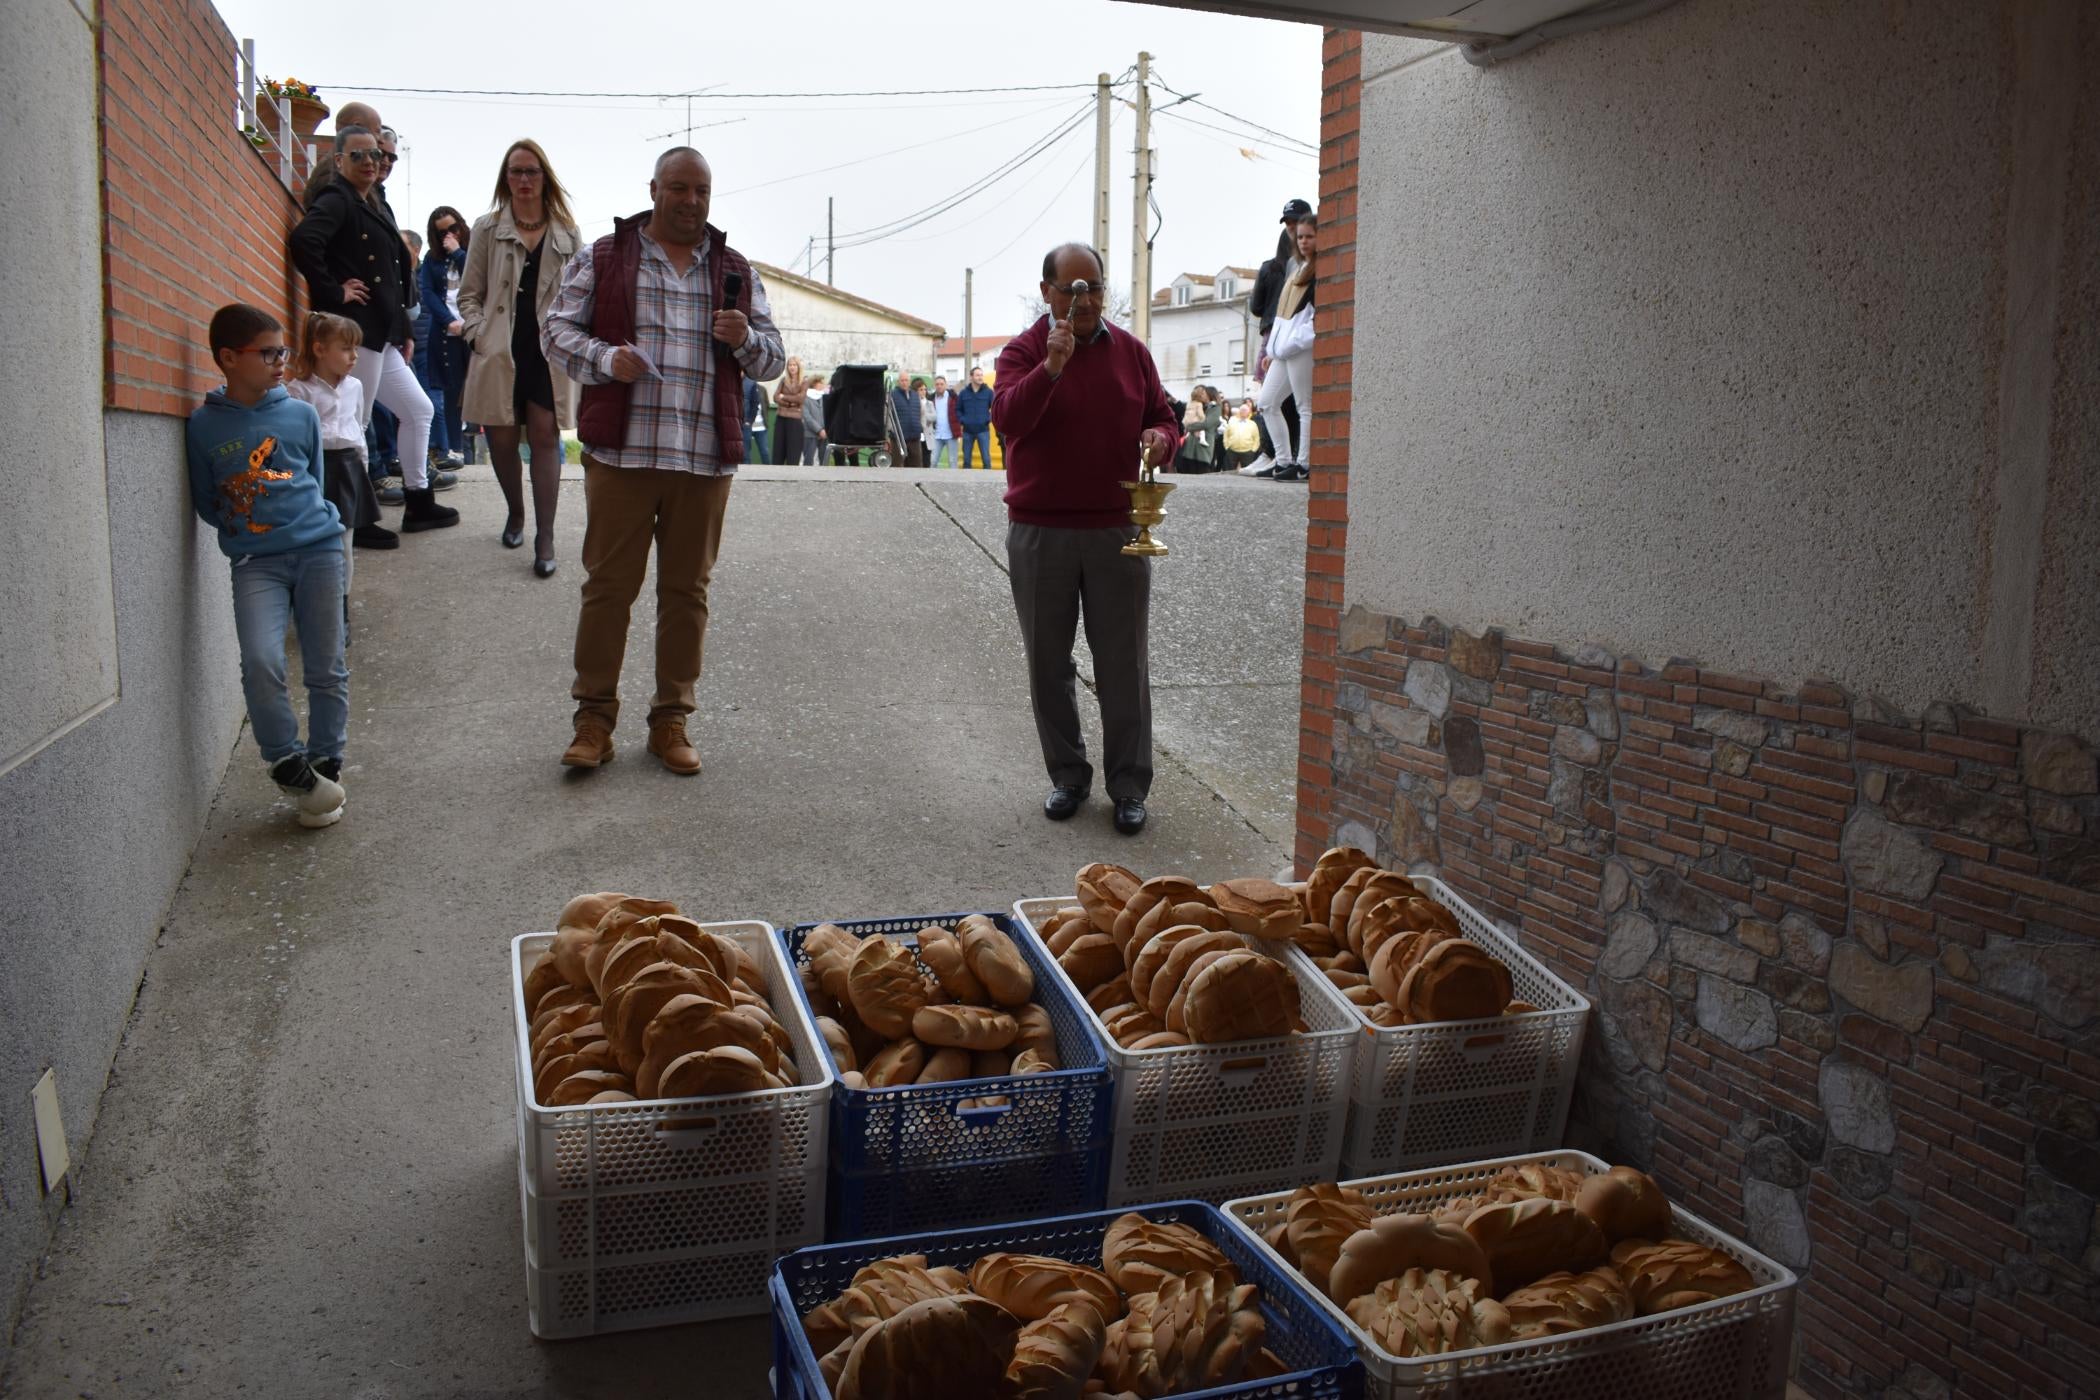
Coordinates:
[1029,227]
[1233,137]
[941,140]
[1310,146]
[1034,151]
[700,97]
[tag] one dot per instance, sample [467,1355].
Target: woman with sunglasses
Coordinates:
[356,266]
[515,256]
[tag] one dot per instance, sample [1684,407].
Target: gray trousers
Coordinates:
[1058,575]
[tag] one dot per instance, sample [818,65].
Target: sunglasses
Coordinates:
[389,157]
[522,172]
[365,157]
[268,354]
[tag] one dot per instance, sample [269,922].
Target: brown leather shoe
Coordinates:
[668,742]
[592,745]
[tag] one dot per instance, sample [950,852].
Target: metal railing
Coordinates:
[295,159]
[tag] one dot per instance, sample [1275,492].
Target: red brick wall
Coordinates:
[194,215]
[1327,522]
[1845,962]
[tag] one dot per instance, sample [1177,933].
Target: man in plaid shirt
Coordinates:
[646,324]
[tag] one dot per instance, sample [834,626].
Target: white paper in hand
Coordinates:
[647,363]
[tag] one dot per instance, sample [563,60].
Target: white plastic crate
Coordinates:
[1213,1121]
[1732,1348]
[674,1210]
[1460,1091]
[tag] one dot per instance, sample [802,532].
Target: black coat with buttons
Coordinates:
[344,236]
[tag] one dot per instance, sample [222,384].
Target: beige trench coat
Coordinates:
[488,290]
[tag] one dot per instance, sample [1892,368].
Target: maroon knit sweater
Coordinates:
[1071,440]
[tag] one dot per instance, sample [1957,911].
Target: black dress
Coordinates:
[533,382]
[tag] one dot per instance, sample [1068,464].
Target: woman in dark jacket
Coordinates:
[437,282]
[357,266]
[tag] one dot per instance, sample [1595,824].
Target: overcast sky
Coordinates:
[1219,192]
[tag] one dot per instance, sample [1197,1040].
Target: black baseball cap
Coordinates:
[1294,211]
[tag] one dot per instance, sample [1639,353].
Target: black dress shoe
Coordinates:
[1063,802]
[1130,816]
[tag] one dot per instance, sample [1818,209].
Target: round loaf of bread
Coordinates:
[1241,996]
[726,1069]
[1103,890]
[1626,1204]
[1180,961]
[1454,981]
[1173,889]
[1115,991]
[1677,1274]
[585,1085]
[1090,960]
[1261,908]
[1333,867]
[838,1042]
[944,1066]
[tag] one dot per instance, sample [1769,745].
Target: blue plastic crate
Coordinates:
[911,1158]
[1319,1352]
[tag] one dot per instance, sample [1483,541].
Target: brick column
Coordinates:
[1327,511]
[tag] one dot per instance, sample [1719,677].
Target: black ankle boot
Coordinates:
[424,513]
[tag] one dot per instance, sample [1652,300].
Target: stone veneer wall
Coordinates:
[1844,962]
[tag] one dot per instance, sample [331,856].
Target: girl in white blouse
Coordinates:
[324,375]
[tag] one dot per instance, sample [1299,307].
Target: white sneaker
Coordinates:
[319,799]
[1258,465]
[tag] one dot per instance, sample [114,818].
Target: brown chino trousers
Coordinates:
[624,509]
[1058,577]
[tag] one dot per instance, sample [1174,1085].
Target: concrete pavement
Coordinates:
[304,1179]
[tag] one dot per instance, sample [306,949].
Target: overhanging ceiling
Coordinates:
[1456,21]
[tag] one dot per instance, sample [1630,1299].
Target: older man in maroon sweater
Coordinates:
[1077,400]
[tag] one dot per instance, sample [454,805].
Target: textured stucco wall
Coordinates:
[58,656]
[1753,332]
[97,826]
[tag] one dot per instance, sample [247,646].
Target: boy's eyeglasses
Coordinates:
[365,157]
[268,354]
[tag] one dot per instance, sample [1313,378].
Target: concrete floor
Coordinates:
[304,1177]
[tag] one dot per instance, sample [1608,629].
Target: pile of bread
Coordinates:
[1394,952]
[1539,1252]
[963,1007]
[635,1001]
[1165,1313]
[1163,962]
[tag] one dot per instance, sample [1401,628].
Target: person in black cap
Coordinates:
[1277,462]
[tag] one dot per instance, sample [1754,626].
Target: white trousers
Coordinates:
[1288,379]
[388,380]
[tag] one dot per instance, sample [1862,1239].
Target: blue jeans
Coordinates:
[981,438]
[944,452]
[303,586]
[756,451]
[382,442]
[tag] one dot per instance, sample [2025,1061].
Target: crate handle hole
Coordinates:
[978,1114]
[686,1132]
[1240,1071]
[1480,1047]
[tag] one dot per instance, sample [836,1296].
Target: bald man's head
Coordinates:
[681,192]
[362,114]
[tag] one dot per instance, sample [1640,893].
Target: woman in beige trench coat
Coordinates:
[515,257]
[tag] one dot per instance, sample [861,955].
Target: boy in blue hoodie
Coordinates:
[255,476]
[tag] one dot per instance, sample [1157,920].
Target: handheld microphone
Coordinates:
[732,288]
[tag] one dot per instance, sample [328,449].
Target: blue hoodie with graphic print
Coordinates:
[255,474]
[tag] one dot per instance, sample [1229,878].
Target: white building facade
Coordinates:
[828,327]
[1202,332]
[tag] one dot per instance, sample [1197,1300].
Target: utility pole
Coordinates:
[969,277]
[829,250]
[1101,119]
[1140,248]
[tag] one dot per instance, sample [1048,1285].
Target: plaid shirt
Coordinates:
[670,421]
